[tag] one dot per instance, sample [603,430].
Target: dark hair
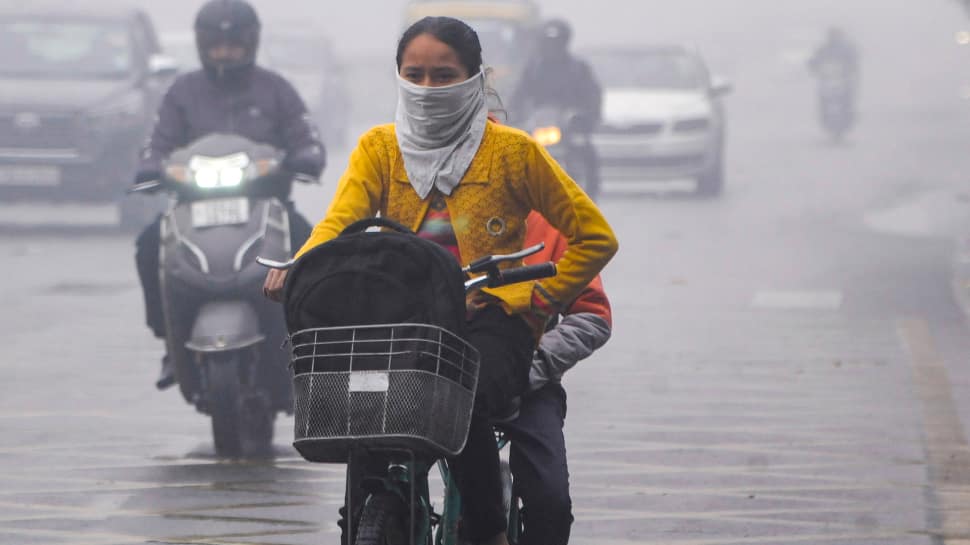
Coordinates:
[453,32]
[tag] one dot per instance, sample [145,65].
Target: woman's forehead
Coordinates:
[426,49]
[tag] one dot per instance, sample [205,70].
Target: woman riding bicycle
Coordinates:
[469,184]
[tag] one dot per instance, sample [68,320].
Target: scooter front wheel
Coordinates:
[242,421]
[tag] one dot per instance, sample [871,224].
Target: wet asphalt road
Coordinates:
[780,372]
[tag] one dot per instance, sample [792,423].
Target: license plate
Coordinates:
[216,212]
[42,176]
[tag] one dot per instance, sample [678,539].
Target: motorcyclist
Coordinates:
[555,77]
[837,49]
[230,93]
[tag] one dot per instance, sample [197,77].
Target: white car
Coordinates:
[662,117]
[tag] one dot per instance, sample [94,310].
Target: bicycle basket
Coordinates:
[399,386]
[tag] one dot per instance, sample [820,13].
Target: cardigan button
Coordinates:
[495,226]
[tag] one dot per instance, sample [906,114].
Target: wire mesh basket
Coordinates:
[398,386]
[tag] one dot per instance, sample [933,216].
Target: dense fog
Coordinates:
[787,311]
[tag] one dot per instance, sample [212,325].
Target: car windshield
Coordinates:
[651,70]
[74,49]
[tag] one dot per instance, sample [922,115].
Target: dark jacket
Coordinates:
[567,82]
[259,105]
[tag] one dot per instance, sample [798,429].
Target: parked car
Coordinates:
[663,117]
[79,88]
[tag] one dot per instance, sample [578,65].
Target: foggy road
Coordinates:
[764,384]
[784,367]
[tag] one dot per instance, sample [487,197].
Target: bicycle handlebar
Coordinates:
[271,264]
[530,272]
[493,277]
[488,263]
[512,276]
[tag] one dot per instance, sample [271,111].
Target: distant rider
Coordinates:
[555,77]
[839,51]
[229,94]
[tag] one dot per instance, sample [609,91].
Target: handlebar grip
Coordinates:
[524,274]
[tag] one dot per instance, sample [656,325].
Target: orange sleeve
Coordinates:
[593,298]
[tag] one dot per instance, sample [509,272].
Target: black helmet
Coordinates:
[232,22]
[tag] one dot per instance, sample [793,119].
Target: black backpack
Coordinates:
[365,278]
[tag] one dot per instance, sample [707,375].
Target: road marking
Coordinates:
[798,300]
[947,450]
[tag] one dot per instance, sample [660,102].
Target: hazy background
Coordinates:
[913,71]
[908,45]
[778,366]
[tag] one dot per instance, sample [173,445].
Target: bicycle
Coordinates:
[392,401]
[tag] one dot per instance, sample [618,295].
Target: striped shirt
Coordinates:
[437,227]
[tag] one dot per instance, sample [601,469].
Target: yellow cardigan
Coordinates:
[510,176]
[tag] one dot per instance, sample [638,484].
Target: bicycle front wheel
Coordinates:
[384,521]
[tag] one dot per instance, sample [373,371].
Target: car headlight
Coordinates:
[220,172]
[547,136]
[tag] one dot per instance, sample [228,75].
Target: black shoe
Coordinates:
[166,379]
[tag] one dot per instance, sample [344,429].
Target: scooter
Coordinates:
[223,335]
[560,131]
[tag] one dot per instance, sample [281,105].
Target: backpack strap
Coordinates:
[362,225]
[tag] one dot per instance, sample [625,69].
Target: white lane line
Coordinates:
[947,449]
[798,300]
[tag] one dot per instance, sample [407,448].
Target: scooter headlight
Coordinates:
[221,172]
[547,136]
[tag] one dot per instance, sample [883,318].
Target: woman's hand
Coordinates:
[476,301]
[273,287]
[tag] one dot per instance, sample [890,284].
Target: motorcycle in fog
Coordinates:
[223,335]
[562,132]
[836,96]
